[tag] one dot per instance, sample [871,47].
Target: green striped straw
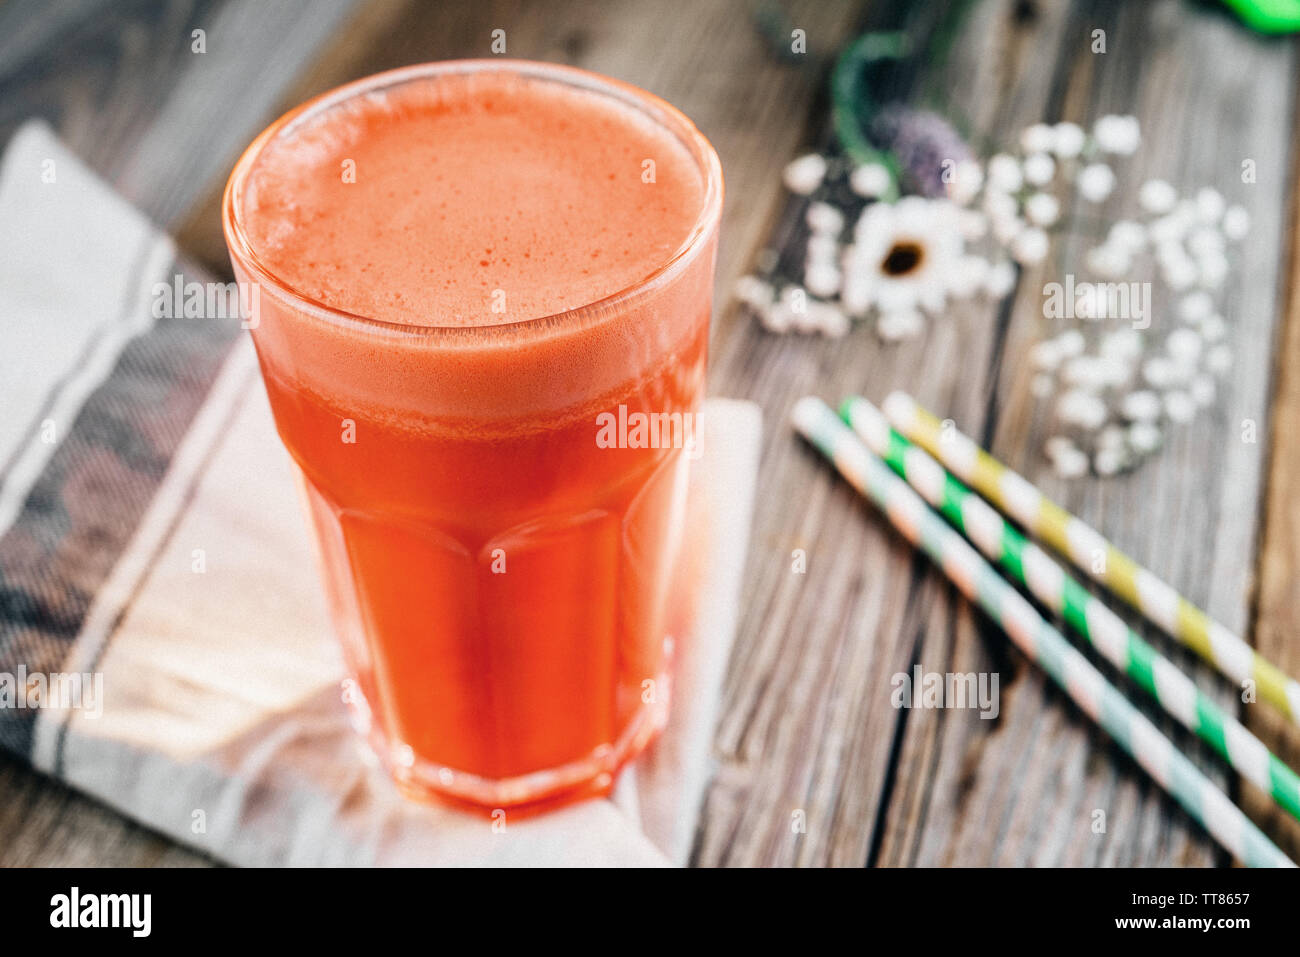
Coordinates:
[1141,589]
[1042,643]
[1047,581]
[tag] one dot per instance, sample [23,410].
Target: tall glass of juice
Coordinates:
[483,296]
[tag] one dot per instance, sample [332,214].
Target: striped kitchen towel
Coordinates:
[163,641]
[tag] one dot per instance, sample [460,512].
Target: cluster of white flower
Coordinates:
[904,260]
[1117,389]
[1114,390]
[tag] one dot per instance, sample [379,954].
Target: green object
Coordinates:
[1030,566]
[1268,16]
[1041,643]
[849,96]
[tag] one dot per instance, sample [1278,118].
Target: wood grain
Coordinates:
[815,765]
[808,725]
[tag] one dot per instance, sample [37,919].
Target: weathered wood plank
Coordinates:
[1022,789]
[1277,604]
[126,90]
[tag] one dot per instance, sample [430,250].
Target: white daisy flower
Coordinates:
[903,257]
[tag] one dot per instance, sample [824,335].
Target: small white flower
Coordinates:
[903,257]
[822,248]
[1179,406]
[825,219]
[1117,134]
[967,178]
[1195,306]
[1184,345]
[777,319]
[1071,464]
[1067,140]
[1004,174]
[1108,461]
[1000,206]
[1156,196]
[1037,138]
[1126,234]
[1159,372]
[822,280]
[1209,205]
[829,320]
[1213,270]
[1001,279]
[1236,223]
[1219,359]
[1144,436]
[1108,261]
[1045,356]
[1206,242]
[1140,406]
[1068,459]
[1042,209]
[1203,390]
[1111,437]
[974,225]
[1041,386]
[1179,274]
[1058,445]
[754,292]
[1096,182]
[1070,343]
[1213,328]
[804,175]
[968,278]
[1122,344]
[1089,373]
[1030,246]
[1082,408]
[1039,168]
[870,180]
[900,324]
[1006,230]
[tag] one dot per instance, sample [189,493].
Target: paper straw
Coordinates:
[1047,581]
[1094,555]
[1039,641]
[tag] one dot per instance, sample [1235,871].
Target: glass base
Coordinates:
[591,776]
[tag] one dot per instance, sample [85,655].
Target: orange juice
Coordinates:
[484,303]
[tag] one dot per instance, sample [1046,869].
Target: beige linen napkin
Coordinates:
[151,540]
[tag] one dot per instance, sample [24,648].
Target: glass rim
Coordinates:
[655,108]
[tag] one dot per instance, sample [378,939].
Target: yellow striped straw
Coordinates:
[1094,555]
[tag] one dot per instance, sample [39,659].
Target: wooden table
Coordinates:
[807,724]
